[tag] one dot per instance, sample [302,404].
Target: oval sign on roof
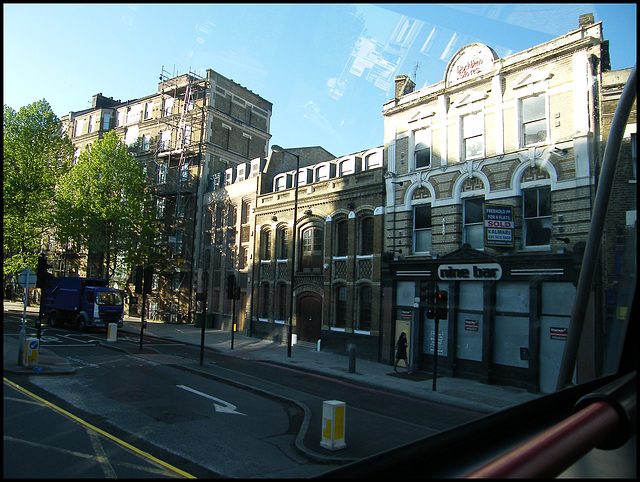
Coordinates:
[469,62]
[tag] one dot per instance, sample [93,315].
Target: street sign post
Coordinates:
[26,279]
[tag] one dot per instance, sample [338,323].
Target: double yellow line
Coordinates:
[124,444]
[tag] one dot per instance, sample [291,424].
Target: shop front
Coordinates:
[507,317]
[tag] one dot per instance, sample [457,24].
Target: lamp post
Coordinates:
[277,148]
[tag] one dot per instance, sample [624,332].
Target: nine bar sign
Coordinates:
[498,225]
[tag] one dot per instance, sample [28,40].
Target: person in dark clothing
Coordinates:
[401,352]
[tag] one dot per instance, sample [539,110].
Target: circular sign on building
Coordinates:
[470,61]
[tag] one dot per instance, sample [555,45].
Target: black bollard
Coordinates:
[352,358]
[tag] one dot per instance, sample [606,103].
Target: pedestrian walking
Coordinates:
[401,352]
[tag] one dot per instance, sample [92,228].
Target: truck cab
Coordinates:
[100,306]
[85,302]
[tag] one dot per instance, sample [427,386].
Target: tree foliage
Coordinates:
[101,203]
[36,155]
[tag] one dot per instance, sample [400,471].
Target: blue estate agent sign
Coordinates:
[498,225]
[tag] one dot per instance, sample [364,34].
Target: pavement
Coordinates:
[456,392]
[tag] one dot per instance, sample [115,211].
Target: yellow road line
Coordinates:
[152,468]
[100,431]
[101,455]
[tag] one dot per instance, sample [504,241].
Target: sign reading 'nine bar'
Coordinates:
[498,225]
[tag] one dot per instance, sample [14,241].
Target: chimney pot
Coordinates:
[404,85]
[586,19]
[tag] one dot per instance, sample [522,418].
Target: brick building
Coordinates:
[335,294]
[490,184]
[619,245]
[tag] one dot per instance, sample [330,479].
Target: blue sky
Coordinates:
[327,68]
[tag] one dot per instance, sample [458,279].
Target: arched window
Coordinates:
[265,294]
[281,305]
[342,237]
[366,235]
[282,240]
[265,244]
[364,308]
[311,257]
[340,304]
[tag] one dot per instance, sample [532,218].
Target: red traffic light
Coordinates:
[441,304]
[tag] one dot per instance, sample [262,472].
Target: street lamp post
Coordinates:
[277,148]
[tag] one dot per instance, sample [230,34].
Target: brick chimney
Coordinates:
[100,100]
[404,85]
[586,19]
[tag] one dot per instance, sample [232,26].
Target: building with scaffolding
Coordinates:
[190,128]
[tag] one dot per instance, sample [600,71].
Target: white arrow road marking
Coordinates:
[221,405]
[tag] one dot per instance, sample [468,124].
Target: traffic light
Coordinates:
[441,304]
[42,272]
[137,281]
[426,298]
[148,279]
[142,279]
[231,286]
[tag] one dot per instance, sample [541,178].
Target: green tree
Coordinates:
[102,203]
[36,155]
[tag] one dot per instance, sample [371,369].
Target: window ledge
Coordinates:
[362,332]
[533,249]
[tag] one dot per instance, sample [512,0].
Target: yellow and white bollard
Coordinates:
[112,332]
[333,424]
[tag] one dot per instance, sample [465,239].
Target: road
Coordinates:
[232,417]
[41,440]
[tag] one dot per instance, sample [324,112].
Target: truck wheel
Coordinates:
[54,319]
[81,324]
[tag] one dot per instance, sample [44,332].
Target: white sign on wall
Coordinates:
[470,61]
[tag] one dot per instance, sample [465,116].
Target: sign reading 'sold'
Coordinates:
[498,225]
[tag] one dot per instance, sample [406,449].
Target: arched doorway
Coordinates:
[308,316]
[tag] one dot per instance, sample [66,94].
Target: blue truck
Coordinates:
[84,302]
